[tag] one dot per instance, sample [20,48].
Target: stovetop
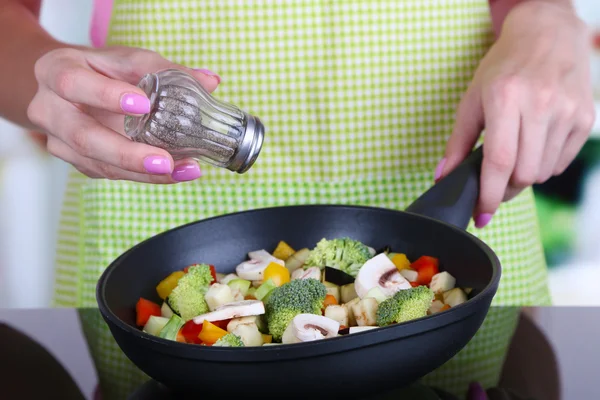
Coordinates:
[153,390]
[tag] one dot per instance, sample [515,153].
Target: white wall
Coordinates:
[31,186]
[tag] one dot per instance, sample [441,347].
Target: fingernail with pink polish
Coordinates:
[482,220]
[157,165]
[186,172]
[134,103]
[439,169]
[209,73]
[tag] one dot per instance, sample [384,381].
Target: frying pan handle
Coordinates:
[453,198]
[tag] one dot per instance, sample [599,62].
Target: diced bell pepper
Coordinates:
[144,309]
[166,286]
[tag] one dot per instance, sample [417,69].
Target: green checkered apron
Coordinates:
[358,98]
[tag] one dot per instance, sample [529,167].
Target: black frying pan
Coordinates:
[346,367]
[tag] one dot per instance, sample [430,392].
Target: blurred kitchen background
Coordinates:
[31,186]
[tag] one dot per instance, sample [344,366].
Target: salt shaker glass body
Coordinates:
[188,122]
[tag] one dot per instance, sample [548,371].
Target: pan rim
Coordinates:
[282,352]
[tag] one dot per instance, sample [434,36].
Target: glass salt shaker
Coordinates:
[187,121]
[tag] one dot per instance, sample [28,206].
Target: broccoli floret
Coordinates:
[300,296]
[405,305]
[187,299]
[345,254]
[229,340]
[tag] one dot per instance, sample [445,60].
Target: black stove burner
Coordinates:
[153,390]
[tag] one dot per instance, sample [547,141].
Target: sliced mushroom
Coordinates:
[263,255]
[359,329]
[309,273]
[238,309]
[254,268]
[309,327]
[381,272]
[251,270]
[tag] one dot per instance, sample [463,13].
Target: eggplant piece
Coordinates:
[337,277]
[345,331]
[384,249]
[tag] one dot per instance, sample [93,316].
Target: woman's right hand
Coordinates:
[81,102]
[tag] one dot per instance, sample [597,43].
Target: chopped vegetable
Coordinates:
[167,285]
[380,272]
[283,251]
[454,297]
[442,282]
[345,254]
[249,334]
[309,327]
[229,340]
[405,305]
[426,267]
[166,311]
[410,275]
[190,332]
[171,329]
[329,301]
[365,311]
[400,261]
[377,294]
[337,313]
[180,338]
[333,290]
[265,289]
[293,298]
[239,285]
[359,329]
[210,333]
[297,259]
[337,276]
[277,273]
[309,273]
[218,295]
[267,338]
[187,299]
[144,309]
[155,325]
[347,293]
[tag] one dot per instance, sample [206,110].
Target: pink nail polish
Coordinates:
[482,220]
[439,169]
[157,165]
[209,73]
[134,103]
[186,172]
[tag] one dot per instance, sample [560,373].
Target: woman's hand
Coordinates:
[81,102]
[532,94]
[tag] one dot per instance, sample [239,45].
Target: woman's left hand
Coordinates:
[532,94]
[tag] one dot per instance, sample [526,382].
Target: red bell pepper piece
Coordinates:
[190,332]
[222,324]
[213,272]
[426,268]
[424,261]
[144,309]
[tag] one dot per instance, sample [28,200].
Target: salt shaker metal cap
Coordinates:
[187,121]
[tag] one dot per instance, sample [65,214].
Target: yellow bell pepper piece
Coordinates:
[401,261]
[210,333]
[283,251]
[166,286]
[278,273]
[267,338]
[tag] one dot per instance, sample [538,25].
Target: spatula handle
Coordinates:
[453,198]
